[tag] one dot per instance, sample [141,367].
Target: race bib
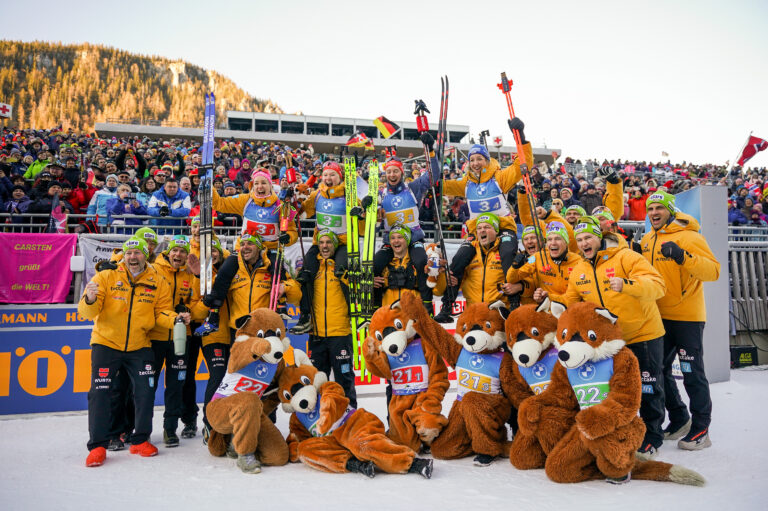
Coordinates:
[404,216]
[478,373]
[410,372]
[591,382]
[329,220]
[260,228]
[539,374]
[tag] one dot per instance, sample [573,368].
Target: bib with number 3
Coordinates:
[591,382]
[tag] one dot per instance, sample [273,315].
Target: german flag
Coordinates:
[386,127]
[359,140]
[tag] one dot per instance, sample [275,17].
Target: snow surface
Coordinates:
[43,467]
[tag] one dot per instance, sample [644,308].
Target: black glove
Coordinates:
[211,303]
[104,264]
[427,140]
[82,186]
[357,211]
[519,260]
[367,200]
[164,211]
[609,174]
[673,251]
[365,175]
[521,189]
[284,238]
[180,307]
[517,125]
[289,193]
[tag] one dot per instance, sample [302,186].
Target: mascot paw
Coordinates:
[529,415]
[428,435]
[593,424]
[260,347]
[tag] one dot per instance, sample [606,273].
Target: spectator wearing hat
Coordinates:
[244,174]
[589,198]
[170,204]
[39,164]
[566,195]
[40,186]
[71,171]
[44,204]
[6,186]
[18,204]
[125,207]
[97,207]
[129,159]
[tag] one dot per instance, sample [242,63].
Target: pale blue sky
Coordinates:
[609,79]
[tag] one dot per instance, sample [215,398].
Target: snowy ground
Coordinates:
[43,468]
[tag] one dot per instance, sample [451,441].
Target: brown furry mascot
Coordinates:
[605,380]
[394,350]
[476,422]
[236,411]
[543,417]
[328,435]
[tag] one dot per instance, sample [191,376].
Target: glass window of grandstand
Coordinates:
[268,126]
[413,134]
[317,128]
[342,130]
[370,132]
[292,127]
[455,137]
[240,124]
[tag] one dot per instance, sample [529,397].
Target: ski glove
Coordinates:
[609,174]
[673,251]
[517,125]
[366,202]
[164,211]
[288,193]
[284,238]
[358,212]
[427,140]
[519,260]
[105,265]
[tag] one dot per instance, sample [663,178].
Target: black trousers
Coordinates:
[189,407]
[684,339]
[650,356]
[216,357]
[335,353]
[121,402]
[467,252]
[105,365]
[311,267]
[175,374]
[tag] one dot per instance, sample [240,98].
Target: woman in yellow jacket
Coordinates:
[545,218]
[682,256]
[624,282]
[124,304]
[485,186]
[330,343]
[550,276]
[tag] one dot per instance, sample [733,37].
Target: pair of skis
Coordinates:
[423,125]
[205,193]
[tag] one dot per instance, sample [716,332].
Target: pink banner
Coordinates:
[35,267]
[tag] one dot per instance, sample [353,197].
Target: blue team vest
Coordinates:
[591,382]
[263,220]
[402,207]
[310,419]
[255,377]
[486,197]
[331,213]
[478,373]
[410,373]
[539,374]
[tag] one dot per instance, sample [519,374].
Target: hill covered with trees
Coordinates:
[79,85]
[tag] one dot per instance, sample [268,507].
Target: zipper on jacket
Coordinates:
[325,298]
[173,299]
[653,250]
[130,311]
[597,283]
[482,288]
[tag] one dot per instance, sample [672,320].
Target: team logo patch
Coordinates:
[582,276]
[343,353]
[148,367]
[103,372]
[610,272]
[218,353]
[119,283]
[682,351]
[587,371]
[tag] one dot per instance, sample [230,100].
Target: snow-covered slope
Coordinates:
[43,468]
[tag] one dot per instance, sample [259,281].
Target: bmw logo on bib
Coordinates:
[540,370]
[404,357]
[261,370]
[476,362]
[587,371]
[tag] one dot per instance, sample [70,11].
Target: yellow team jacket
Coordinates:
[506,178]
[390,296]
[330,310]
[684,300]
[127,308]
[200,311]
[250,289]
[235,205]
[184,287]
[635,305]
[554,281]
[483,274]
[552,216]
[613,199]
